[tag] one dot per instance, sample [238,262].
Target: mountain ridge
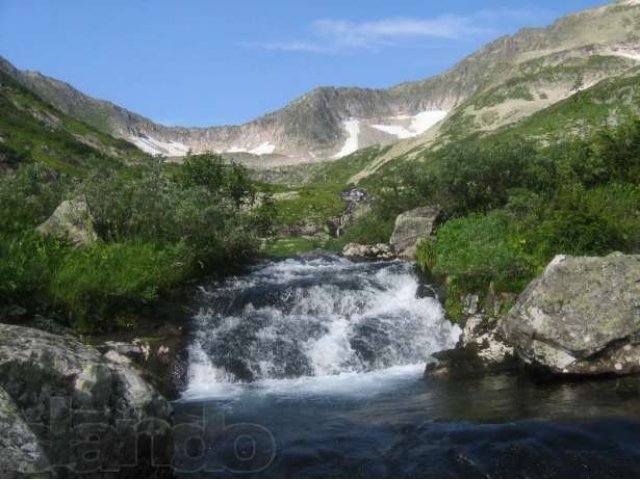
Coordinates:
[330,122]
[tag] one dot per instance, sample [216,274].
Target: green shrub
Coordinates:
[27,264]
[369,229]
[478,249]
[97,283]
[29,195]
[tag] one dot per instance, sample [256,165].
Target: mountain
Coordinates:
[32,129]
[503,82]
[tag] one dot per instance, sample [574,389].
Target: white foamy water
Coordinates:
[318,325]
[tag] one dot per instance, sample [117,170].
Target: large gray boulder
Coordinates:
[68,393]
[581,316]
[72,220]
[21,452]
[410,227]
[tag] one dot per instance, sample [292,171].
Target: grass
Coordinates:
[287,246]
[318,199]
[95,282]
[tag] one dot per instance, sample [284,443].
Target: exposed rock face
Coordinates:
[69,393]
[481,349]
[410,227]
[581,316]
[72,220]
[379,251]
[21,453]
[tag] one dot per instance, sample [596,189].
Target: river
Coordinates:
[313,367]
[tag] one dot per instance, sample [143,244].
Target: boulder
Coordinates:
[481,349]
[412,226]
[22,456]
[72,220]
[379,251]
[69,393]
[581,316]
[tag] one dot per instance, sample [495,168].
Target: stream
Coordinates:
[313,367]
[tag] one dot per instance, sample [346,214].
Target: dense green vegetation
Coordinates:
[158,228]
[512,205]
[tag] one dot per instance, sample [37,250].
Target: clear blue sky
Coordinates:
[197,62]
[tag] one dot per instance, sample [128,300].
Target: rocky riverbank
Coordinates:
[93,405]
[581,317]
[71,410]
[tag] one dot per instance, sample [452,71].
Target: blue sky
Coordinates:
[198,62]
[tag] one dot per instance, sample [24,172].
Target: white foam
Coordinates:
[348,384]
[351,144]
[349,325]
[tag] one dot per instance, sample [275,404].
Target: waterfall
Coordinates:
[313,321]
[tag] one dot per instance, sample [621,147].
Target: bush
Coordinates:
[29,195]
[478,249]
[159,226]
[367,230]
[27,264]
[99,282]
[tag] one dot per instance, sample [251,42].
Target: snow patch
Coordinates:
[420,123]
[632,55]
[425,120]
[351,144]
[397,130]
[263,149]
[154,146]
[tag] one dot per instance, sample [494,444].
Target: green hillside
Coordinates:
[32,130]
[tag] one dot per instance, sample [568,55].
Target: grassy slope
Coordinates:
[314,192]
[31,129]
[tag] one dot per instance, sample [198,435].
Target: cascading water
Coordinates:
[308,319]
[313,368]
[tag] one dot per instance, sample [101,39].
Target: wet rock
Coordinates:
[21,452]
[481,349]
[379,251]
[72,220]
[68,392]
[412,226]
[580,317]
